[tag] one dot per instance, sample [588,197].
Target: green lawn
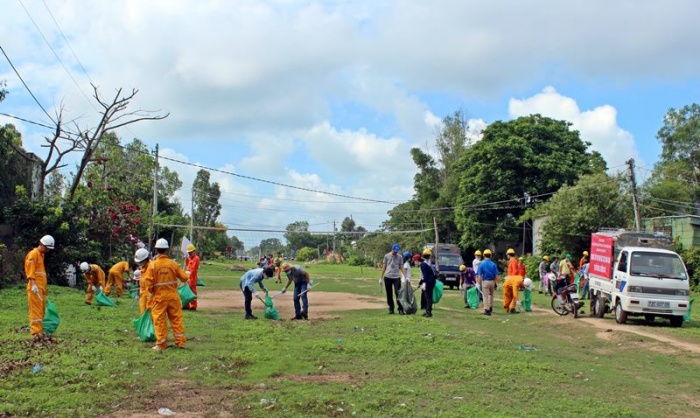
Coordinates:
[365,363]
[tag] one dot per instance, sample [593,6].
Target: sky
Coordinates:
[330,96]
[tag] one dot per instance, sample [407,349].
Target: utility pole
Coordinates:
[635,200]
[334,237]
[192,215]
[154,212]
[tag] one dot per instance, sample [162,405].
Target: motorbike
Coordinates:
[565,301]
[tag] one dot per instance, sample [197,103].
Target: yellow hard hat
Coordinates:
[190,248]
[462,267]
[585,253]
[545,258]
[427,253]
[487,252]
[477,253]
[521,258]
[510,251]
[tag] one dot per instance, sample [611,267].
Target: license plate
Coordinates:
[574,295]
[655,304]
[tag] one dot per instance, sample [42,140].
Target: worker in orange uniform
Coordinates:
[583,261]
[192,267]
[141,259]
[510,291]
[161,283]
[35,271]
[522,271]
[512,263]
[95,278]
[116,277]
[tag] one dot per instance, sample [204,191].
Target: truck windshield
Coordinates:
[651,264]
[449,260]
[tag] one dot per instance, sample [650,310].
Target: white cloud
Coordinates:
[597,126]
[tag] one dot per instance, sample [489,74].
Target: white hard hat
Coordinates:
[48,241]
[141,254]
[527,284]
[162,243]
[84,267]
[137,274]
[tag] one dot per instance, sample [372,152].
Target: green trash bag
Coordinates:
[134,292]
[686,318]
[472,297]
[51,318]
[270,310]
[186,295]
[577,279]
[527,301]
[200,282]
[437,291]
[144,327]
[103,300]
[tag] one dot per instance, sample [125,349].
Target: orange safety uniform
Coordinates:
[510,291]
[116,277]
[161,282]
[581,262]
[35,270]
[144,297]
[94,277]
[522,271]
[192,264]
[513,266]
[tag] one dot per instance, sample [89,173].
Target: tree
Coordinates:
[574,212]
[528,156]
[271,246]
[298,236]
[3,92]
[436,184]
[206,208]
[15,165]
[113,115]
[674,187]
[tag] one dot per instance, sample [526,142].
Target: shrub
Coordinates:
[306,254]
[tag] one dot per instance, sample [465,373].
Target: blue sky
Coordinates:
[331,96]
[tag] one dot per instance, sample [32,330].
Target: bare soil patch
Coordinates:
[321,304]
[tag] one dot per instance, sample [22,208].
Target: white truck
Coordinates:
[637,273]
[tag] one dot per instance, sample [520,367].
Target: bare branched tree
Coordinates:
[114,115]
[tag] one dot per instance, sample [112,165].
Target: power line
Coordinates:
[57,57]
[25,85]
[67,43]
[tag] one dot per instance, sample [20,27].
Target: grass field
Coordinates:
[356,363]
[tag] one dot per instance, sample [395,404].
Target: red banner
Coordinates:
[601,256]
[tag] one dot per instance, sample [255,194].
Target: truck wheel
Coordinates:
[676,321]
[620,314]
[649,317]
[599,306]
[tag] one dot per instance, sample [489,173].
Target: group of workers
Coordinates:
[158,280]
[484,274]
[559,274]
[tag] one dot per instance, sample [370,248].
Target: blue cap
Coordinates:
[406,254]
[395,248]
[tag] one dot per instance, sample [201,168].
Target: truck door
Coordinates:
[620,274]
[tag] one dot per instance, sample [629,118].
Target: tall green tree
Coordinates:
[298,236]
[574,212]
[206,207]
[15,165]
[674,186]
[529,156]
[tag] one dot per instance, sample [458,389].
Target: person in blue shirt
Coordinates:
[487,277]
[427,282]
[248,281]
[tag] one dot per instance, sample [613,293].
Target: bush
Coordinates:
[360,260]
[306,254]
[691,257]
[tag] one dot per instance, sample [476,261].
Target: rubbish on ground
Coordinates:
[527,348]
[165,411]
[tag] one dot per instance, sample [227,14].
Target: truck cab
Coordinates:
[644,277]
[446,260]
